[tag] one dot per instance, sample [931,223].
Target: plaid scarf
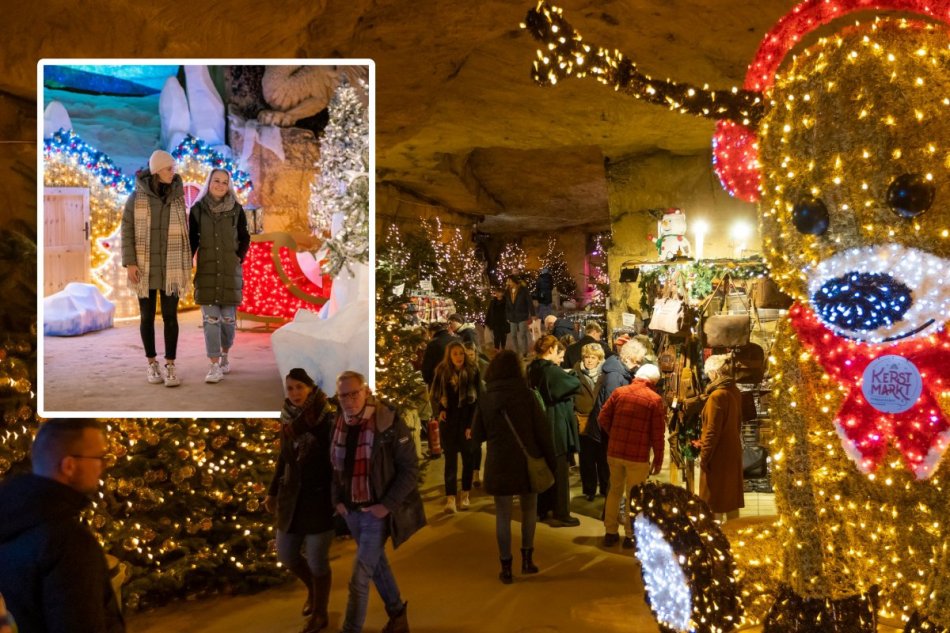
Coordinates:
[305,442]
[465,381]
[359,484]
[177,255]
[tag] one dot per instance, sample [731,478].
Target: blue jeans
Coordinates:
[519,336]
[370,564]
[529,520]
[317,551]
[219,324]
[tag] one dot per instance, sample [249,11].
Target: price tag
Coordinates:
[426,285]
[628,320]
[398,290]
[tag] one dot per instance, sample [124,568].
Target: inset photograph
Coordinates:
[203,229]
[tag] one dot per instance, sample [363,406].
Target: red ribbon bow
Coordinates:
[921,433]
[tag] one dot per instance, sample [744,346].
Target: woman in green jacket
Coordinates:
[557,388]
[218,233]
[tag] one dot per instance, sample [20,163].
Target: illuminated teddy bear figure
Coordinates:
[847,152]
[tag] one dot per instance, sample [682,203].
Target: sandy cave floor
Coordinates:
[104,371]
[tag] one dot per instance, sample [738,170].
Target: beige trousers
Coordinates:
[624,475]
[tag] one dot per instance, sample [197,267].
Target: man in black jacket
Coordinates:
[375,490]
[53,572]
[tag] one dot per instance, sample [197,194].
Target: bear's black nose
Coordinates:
[863,301]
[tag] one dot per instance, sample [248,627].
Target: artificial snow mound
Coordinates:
[76,309]
[325,347]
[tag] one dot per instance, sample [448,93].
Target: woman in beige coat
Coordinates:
[720,456]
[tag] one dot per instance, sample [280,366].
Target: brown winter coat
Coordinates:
[720,457]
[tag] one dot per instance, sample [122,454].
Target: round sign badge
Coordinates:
[891,384]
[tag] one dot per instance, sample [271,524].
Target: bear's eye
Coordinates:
[810,216]
[910,195]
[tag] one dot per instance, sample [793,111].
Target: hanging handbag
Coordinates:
[667,315]
[672,314]
[767,294]
[666,360]
[748,363]
[726,330]
[539,475]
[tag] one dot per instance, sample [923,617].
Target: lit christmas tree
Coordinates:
[599,280]
[339,199]
[459,273]
[512,260]
[553,260]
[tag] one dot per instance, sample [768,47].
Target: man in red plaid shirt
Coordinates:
[634,416]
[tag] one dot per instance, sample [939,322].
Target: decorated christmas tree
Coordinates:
[397,380]
[553,260]
[339,198]
[459,273]
[512,260]
[599,279]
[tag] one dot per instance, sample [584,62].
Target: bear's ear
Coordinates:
[735,144]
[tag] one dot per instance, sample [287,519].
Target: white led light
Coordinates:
[923,273]
[663,577]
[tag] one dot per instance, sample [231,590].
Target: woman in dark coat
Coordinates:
[454,394]
[218,234]
[157,257]
[557,388]
[593,459]
[299,493]
[720,455]
[496,319]
[506,467]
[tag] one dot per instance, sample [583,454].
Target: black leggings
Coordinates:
[169,305]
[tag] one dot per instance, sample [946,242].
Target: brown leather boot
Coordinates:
[398,621]
[320,589]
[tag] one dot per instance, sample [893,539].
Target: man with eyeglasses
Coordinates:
[53,572]
[375,491]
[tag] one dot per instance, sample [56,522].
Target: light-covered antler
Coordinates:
[564,54]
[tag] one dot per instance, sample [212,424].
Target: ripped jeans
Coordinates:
[219,325]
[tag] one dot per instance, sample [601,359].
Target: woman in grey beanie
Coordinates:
[157,257]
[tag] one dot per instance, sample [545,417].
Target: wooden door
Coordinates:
[65,237]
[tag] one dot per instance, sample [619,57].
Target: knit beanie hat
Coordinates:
[159,160]
[300,375]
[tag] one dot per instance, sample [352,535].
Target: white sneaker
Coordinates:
[224,364]
[464,502]
[171,378]
[154,375]
[449,505]
[214,374]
